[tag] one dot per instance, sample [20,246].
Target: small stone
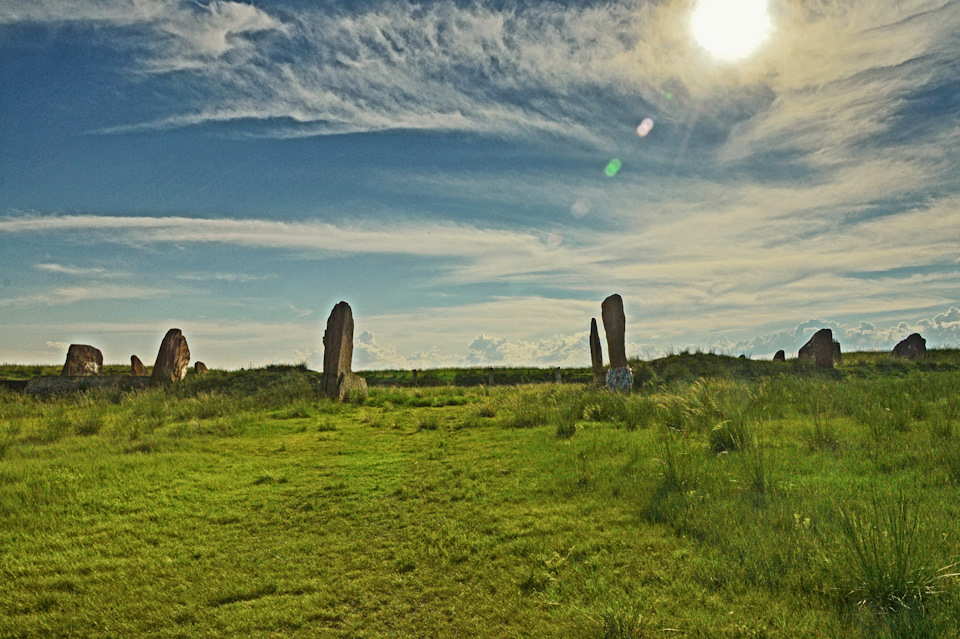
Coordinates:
[821,349]
[200,368]
[780,356]
[137,369]
[173,359]
[911,347]
[83,360]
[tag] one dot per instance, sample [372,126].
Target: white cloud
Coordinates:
[62,269]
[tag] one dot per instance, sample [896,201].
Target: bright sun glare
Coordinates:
[730,29]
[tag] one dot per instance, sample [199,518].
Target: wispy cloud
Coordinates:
[80,271]
[73,294]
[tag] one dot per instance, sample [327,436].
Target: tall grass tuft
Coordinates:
[888,564]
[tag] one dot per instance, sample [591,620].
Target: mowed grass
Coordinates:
[240,504]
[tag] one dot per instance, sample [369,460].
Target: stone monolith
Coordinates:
[173,359]
[339,381]
[137,369]
[911,347]
[821,349]
[780,356]
[596,353]
[614,325]
[83,360]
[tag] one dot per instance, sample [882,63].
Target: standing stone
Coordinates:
[173,359]
[614,325]
[490,377]
[137,369]
[557,375]
[415,374]
[780,356]
[82,360]
[596,353]
[912,347]
[200,368]
[339,381]
[620,376]
[821,349]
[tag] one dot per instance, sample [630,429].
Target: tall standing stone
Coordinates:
[912,347]
[338,379]
[173,359]
[614,325]
[82,360]
[558,375]
[596,353]
[137,369]
[821,349]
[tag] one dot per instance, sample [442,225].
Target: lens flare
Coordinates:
[645,126]
[613,167]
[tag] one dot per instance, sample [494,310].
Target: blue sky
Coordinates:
[236,169]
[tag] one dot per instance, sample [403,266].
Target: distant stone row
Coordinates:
[824,352]
[172,363]
[821,349]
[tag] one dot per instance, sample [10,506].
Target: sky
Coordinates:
[235,169]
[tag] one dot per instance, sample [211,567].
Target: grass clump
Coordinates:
[889,564]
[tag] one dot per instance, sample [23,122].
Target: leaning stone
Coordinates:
[596,353]
[912,347]
[821,349]
[82,361]
[338,381]
[780,356]
[173,358]
[137,369]
[200,368]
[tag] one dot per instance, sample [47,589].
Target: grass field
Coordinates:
[725,498]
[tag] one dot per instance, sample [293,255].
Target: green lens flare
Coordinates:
[613,168]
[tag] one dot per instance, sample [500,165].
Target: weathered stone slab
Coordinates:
[821,349]
[780,356]
[558,375]
[614,325]
[200,368]
[338,381]
[82,360]
[596,353]
[173,359]
[137,369]
[911,347]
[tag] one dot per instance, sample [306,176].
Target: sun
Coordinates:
[730,29]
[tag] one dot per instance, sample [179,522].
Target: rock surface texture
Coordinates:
[596,353]
[173,359]
[338,381]
[821,349]
[137,369]
[82,361]
[912,347]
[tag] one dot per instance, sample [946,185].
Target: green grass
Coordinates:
[735,504]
